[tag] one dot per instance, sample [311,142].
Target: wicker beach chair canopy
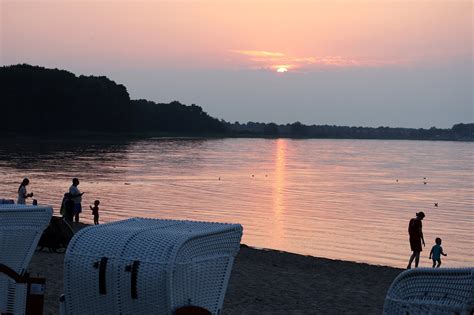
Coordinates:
[149,266]
[21,227]
[432,291]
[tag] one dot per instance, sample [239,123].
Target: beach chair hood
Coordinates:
[143,266]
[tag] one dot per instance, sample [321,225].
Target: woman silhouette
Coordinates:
[416,238]
[22,194]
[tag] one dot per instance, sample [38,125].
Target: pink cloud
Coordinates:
[264,59]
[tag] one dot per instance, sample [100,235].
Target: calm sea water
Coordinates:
[330,198]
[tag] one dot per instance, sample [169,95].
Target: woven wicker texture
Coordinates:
[432,291]
[21,227]
[152,266]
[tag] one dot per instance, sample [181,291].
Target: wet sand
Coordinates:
[272,282]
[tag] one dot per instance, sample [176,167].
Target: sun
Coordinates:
[282,69]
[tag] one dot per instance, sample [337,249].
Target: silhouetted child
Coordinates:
[436,252]
[95,211]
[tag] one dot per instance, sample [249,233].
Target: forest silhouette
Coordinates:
[37,100]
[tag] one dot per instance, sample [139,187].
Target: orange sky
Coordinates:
[237,34]
[405,63]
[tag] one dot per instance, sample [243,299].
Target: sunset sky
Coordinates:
[346,62]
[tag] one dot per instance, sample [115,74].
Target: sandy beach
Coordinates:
[272,282]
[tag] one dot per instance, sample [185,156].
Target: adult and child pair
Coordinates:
[415,232]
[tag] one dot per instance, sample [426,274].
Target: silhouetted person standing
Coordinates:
[95,211]
[22,194]
[436,252]
[416,238]
[76,196]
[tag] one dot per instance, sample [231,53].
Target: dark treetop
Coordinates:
[36,99]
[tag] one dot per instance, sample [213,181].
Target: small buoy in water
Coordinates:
[253,175]
[219,178]
[424,177]
[126,183]
[266,175]
[397,180]
[436,204]
[424,183]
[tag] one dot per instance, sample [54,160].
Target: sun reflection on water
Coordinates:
[278,193]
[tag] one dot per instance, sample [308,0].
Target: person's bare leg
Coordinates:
[439,263]
[411,260]
[417,259]
[434,263]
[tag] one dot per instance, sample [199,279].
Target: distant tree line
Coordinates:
[298,130]
[173,118]
[36,100]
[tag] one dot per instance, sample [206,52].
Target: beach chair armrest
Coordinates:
[12,274]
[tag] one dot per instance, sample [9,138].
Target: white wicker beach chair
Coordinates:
[149,266]
[431,291]
[21,227]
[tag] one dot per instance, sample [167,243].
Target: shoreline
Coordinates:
[110,137]
[267,281]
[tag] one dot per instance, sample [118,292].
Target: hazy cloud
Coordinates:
[259,53]
[263,59]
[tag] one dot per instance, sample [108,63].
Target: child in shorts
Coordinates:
[436,252]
